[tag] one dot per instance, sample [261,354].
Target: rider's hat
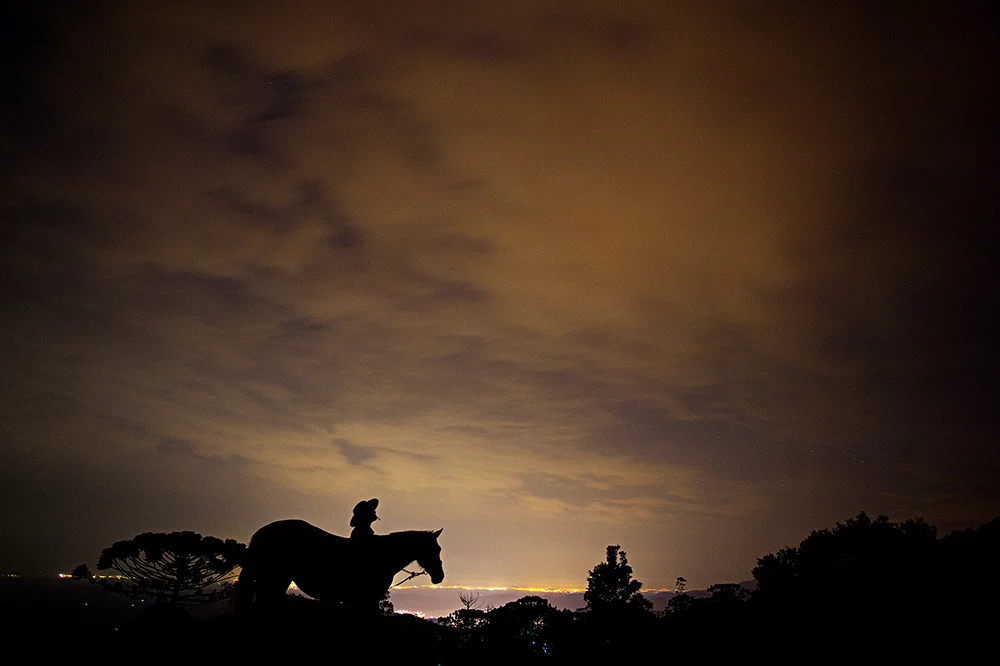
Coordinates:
[364,510]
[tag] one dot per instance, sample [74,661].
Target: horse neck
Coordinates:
[403,548]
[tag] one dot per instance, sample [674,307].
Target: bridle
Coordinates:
[413,574]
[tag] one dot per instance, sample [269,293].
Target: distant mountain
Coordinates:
[438,602]
[660,599]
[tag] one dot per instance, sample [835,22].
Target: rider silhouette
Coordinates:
[364,516]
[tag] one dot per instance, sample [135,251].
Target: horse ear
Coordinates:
[438,533]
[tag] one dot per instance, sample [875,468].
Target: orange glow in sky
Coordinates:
[550,276]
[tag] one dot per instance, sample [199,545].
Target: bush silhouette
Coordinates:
[81,572]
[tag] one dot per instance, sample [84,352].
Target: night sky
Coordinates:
[691,278]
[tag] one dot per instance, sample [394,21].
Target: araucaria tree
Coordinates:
[179,568]
[611,588]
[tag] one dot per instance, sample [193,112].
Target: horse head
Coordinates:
[429,556]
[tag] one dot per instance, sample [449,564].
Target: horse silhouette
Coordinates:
[328,567]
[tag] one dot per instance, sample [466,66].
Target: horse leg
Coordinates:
[271,590]
[243,596]
[261,625]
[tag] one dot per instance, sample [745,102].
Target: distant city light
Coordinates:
[536,590]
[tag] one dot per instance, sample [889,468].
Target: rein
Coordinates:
[413,574]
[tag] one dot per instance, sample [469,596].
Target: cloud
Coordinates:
[171,446]
[645,267]
[356,455]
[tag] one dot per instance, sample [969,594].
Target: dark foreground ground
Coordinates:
[63,619]
[77,622]
[66,621]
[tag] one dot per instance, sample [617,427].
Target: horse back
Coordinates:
[293,543]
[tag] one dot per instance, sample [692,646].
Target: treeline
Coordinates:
[861,589]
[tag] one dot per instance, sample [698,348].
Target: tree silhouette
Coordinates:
[81,572]
[385,606]
[527,628]
[179,568]
[860,554]
[680,603]
[728,596]
[968,558]
[860,571]
[611,588]
[466,619]
[470,599]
